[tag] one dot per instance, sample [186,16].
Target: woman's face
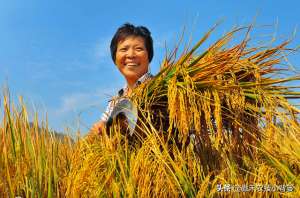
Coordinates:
[132,58]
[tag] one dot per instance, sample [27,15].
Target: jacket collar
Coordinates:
[142,79]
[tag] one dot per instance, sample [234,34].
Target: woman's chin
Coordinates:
[131,73]
[132,77]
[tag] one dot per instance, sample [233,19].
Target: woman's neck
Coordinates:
[131,84]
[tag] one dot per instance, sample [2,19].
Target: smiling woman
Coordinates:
[132,51]
[132,59]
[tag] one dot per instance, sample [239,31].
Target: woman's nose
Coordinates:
[130,53]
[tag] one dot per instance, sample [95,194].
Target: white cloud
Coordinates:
[79,109]
[78,102]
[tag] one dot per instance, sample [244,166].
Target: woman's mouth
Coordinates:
[131,64]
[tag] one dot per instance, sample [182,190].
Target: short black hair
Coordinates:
[127,30]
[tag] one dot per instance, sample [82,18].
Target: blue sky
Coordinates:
[56,53]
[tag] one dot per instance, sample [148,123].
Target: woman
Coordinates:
[131,50]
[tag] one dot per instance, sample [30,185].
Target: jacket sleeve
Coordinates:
[108,111]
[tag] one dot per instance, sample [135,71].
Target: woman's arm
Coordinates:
[98,127]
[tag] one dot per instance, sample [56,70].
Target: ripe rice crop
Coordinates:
[210,124]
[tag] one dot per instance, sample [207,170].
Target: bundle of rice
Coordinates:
[227,98]
[207,119]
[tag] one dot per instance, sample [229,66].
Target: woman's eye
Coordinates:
[139,49]
[122,49]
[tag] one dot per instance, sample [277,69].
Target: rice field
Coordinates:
[214,123]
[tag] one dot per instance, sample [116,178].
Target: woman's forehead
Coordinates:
[132,40]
